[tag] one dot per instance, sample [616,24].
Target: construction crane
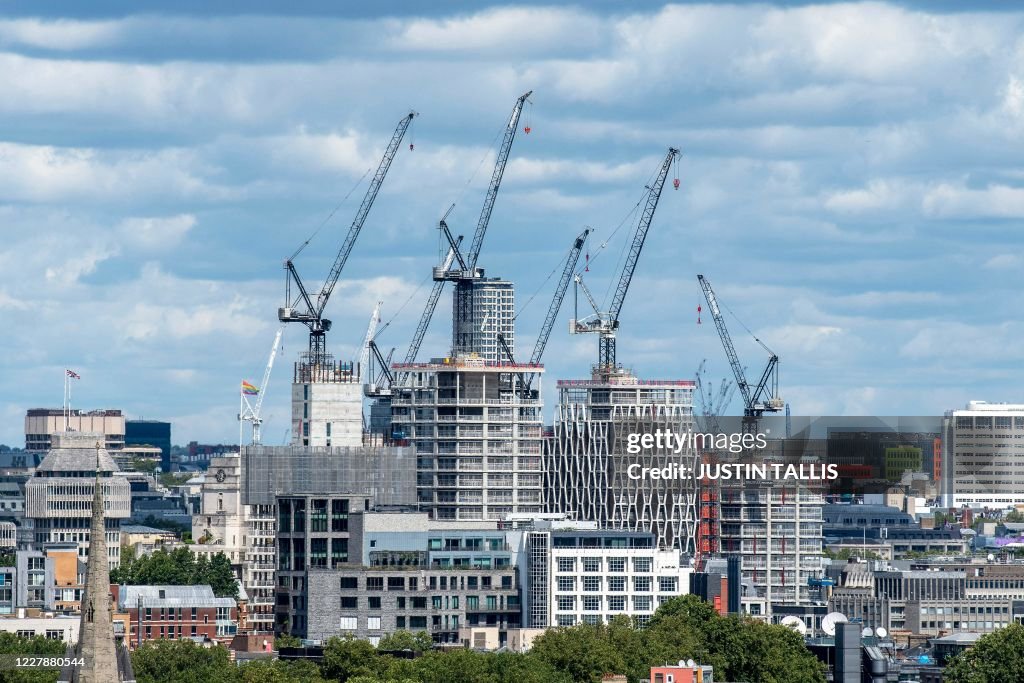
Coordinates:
[711,404]
[571,260]
[467,263]
[762,397]
[364,349]
[303,308]
[606,323]
[254,412]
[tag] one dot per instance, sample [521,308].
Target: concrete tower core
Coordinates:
[483,308]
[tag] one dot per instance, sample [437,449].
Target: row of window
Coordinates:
[570,619]
[617,584]
[615,565]
[412,583]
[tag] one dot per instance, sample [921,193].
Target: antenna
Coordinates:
[828,623]
[866,632]
[881,632]
[796,623]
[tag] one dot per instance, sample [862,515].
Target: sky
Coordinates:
[850,184]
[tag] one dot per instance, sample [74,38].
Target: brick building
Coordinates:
[155,612]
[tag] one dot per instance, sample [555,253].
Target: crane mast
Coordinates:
[762,397]
[607,322]
[571,261]
[311,312]
[254,413]
[364,349]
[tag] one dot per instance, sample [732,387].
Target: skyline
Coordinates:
[853,206]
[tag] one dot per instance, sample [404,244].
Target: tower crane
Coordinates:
[253,412]
[467,271]
[364,349]
[762,397]
[303,308]
[571,260]
[606,323]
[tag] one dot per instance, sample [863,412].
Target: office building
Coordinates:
[983,456]
[58,499]
[587,473]
[574,573]
[476,433]
[41,423]
[150,433]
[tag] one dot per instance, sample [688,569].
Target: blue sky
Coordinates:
[851,184]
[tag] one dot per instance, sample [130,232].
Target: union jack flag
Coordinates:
[72,373]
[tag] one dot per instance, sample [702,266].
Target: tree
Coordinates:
[997,657]
[417,641]
[10,644]
[182,661]
[584,652]
[280,671]
[287,640]
[345,658]
[179,567]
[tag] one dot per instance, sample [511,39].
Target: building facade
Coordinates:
[58,499]
[41,423]
[483,309]
[476,434]
[983,455]
[573,575]
[174,612]
[587,463]
[150,433]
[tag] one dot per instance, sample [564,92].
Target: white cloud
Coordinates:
[161,232]
[947,200]
[61,34]
[877,195]
[1004,262]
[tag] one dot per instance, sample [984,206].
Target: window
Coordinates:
[591,564]
[349,602]
[616,584]
[348,624]
[616,565]
[373,623]
[592,584]
[567,564]
[399,622]
[396,583]
[566,620]
[642,603]
[566,603]
[419,603]
[566,583]
[641,584]
[667,584]
[472,602]
[642,565]
[53,634]
[349,583]
[373,602]
[616,603]
[417,622]
[592,603]
[375,583]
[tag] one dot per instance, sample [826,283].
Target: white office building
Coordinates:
[983,455]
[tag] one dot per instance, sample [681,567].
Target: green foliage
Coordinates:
[179,567]
[846,553]
[182,661]
[417,641]
[346,658]
[171,479]
[287,640]
[146,465]
[278,671]
[10,644]
[8,559]
[997,657]
[1014,516]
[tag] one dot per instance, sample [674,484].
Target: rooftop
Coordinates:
[171,596]
[77,452]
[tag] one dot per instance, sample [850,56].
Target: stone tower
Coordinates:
[103,663]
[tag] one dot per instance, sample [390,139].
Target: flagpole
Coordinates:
[65,399]
[241,398]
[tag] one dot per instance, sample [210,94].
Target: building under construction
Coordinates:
[587,462]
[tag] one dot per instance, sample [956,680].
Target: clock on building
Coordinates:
[221,475]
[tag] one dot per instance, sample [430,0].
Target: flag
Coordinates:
[249,389]
[72,373]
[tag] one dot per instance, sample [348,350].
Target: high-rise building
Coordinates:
[327,404]
[483,309]
[41,423]
[777,533]
[587,473]
[476,434]
[150,433]
[58,499]
[983,455]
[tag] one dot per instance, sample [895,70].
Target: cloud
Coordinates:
[948,200]
[878,195]
[61,35]
[157,232]
[1004,262]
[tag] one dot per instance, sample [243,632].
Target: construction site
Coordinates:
[467,424]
